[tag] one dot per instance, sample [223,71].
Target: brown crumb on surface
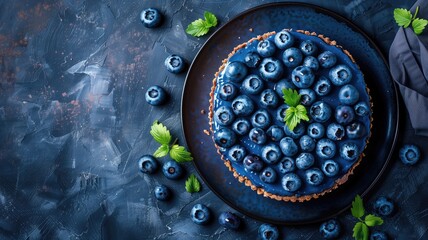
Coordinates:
[207,132]
[202,111]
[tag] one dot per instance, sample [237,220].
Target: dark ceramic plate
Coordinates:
[274,17]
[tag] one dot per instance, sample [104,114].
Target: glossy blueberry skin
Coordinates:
[340,75]
[241,126]
[200,214]
[330,229]
[327,59]
[252,84]
[323,86]
[271,153]
[410,154]
[297,132]
[302,77]
[172,170]
[268,175]
[320,111]
[266,48]
[283,84]
[361,109]
[162,193]
[308,96]
[286,165]
[316,130]
[311,62]
[236,71]
[242,106]
[275,133]
[305,161]
[156,95]
[228,91]
[280,112]
[348,94]
[269,99]
[314,176]
[378,235]
[257,135]
[283,39]
[225,137]
[335,131]
[344,114]
[268,232]
[174,64]
[356,130]
[325,148]
[147,164]
[292,57]
[383,206]
[288,146]
[224,116]
[252,163]
[308,47]
[291,182]
[330,168]
[236,153]
[252,59]
[150,17]
[307,144]
[271,69]
[229,220]
[349,151]
[261,119]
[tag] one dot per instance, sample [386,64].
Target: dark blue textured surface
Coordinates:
[73,122]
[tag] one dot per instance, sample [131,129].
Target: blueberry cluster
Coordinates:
[249,113]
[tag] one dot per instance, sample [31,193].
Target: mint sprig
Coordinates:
[200,26]
[192,184]
[361,228]
[295,111]
[404,18]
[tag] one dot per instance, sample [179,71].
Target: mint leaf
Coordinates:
[403,17]
[357,209]
[365,231]
[291,97]
[160,133]
[210,19]
[180,154]
[372,220]
[198,28]
[357,231]
[419,25]
[192,184]
[302,113]
[291,118]
[162,151]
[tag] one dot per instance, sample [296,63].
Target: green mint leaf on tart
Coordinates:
[162,151]
[357,209]
[302,113]
[192,184]
[419,25]
[210,19]
[160,133]
[372,220]
[180,154]
[403,17]
[291,97]
[201,27]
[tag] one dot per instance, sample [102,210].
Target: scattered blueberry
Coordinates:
[291,182]
[307,96]
[302,77]
[268,232]
[361,109]
[172,170]
[356,130]
[261,119]
[252,84]
[322,86]
[200,214]
[335,131]
[305,161]
[286,165]
[268,175]
[174,63]
[252,163]
[280,112]
[225,137]
[383,206]
[320,111]
[330,168]
[314,176]
[330,229]
[224,116]
[311,62]
[378,235]
[292,57]
[410,154]
[275,133]
[147,164]
[241,126]
[297,132]
[257,135]
[283,84]
[325,148]
[271,153]
[242,106]
[349,151]
[327,59]
[236,71]
[307,143]
[252,59]
[266,48]
[162,192]
[348,94]
[283,39]
[308,47]
[316,130]
[150,17]
[228,91]
[237,153]
[271,69]
[268,98]
[229,220]
[288,146]
[340,75]
[156,95]
[344,114]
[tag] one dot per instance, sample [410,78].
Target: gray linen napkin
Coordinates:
[408,60]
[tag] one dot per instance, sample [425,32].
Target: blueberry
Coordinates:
[291,182]
[284,39]
[307,96]
[356,130]
[268,98]
[325,148]
[288,146]
[314,176]
[252,163]
[200,214]
[383,206]
[229,220]
[150,17]
[311,62]
[316,130]
[327,59]
[340,75]
[236,153]
[302,77]
[268,232]
[242,106]
[156,95]
[361,109]
[241,126]
[252,59]
[172,170]
[330,168]
[308,47]
[162,192]
[271,69]
[330,229]
[228,91]
[335,131]
[268,175]
[147,164]
[286,165]
[257,135]
[225,137]
[224,116]
[275,133]
[252,84]
[307,143]
[320,111]
[266,48]
[349,151]
[323,86]
[236,71]
[344,114]
[261,119]
[348,94]
[280,112]
[174,63]
[297,132]
[305,161]
[283,84]
[410,154]
[378,235]
[271,153]
[292,57]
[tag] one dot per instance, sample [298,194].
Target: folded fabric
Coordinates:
[408,60]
